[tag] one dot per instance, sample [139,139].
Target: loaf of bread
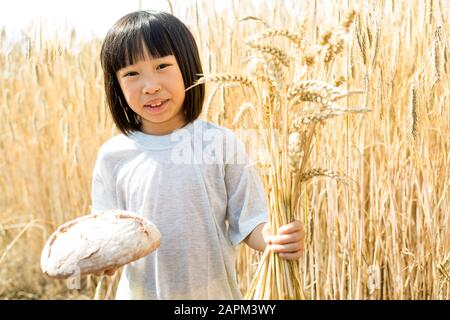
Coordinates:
[98,242]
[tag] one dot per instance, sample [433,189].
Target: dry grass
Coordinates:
[383,234]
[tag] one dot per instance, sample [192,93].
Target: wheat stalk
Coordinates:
[224,77]
[295,150]
[413,110]
[317,91]
[436,51]
[348,19]
[245,107]
[320,173]
[325,115]
[296,39]
[274,52]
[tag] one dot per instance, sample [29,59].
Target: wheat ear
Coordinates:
[325,115]
[296,39]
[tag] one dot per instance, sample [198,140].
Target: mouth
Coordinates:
[156,108]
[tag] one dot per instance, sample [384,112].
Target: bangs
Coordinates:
[141,36]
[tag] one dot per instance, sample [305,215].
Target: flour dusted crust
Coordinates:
[97,242]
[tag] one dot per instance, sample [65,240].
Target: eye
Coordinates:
[130,74]
[162,65]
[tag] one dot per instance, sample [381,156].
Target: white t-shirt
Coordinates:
[198,187]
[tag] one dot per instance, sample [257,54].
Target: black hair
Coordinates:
[163,34]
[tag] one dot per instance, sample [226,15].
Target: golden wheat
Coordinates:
[385,237]
[296,39]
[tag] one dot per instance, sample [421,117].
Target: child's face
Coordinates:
[149,82]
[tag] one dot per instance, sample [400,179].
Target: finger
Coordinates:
[291,227]
[287,248]
[291,255]
[284,239]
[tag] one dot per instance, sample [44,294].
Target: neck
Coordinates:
[163,128]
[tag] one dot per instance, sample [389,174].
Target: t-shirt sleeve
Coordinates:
[247,201]
[103,189]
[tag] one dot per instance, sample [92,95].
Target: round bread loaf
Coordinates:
[98,242]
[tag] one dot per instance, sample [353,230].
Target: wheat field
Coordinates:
[382,233]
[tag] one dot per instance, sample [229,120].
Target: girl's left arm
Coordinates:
[255,239]
[289,242]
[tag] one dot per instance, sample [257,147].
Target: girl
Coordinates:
[189,177]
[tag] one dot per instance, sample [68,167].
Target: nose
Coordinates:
[151,88]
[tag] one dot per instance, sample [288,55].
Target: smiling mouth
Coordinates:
[155,106]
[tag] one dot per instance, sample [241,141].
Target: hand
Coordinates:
[107,272]
[289,242]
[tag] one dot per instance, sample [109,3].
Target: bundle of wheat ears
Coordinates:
[285,114]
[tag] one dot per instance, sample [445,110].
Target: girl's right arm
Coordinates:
[103,194]
[103,187]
